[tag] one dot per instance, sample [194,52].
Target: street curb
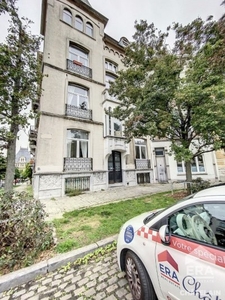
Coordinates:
[24,275]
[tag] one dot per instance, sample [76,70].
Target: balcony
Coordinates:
[76,67]
[77,164]
[109,97]
[142,164]
[74,111]
[32,134]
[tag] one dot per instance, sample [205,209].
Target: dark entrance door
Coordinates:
[114,167]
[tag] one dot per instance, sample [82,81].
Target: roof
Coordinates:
[87,2]
[23,152]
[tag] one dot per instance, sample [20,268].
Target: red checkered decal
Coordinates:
[147,233]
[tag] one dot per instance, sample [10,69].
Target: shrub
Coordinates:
[199,184]
[23,230]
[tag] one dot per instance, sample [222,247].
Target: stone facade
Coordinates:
[77,145]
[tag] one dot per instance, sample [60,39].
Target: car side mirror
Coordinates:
[165,234]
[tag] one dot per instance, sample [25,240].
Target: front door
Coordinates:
[114,167]
[161,166]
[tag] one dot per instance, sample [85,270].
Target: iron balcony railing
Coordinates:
[77,112]
[77,164]
[142,164]
[78,68]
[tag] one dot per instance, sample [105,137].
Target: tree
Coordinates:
[2,166]
[20,74]
[16,175]
[175,93]
[27,173]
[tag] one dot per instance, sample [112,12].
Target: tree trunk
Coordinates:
[10,166]
[188,176]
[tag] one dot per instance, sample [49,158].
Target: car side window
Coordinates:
[203,222]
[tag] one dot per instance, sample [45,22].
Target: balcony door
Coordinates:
[114,167]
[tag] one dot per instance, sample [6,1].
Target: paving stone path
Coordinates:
[94,281]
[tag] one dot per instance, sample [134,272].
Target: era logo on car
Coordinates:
[168,267]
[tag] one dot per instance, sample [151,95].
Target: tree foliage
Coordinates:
[20,75]
[2,166]
[175,93]
[27,173]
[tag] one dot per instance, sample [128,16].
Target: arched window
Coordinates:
[79,23]
[67,16]
[77,143]
[89,29]
[110,66]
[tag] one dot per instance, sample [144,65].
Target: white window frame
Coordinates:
[78,54]
[109,78]
[79,23]
[140,144]
[114,126]
[77,95]
[67,16]
[89,29]
[197,167]
[81,140]
[110,66]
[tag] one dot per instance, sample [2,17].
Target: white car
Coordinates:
[178,252]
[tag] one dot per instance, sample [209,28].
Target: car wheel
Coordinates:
[138,279]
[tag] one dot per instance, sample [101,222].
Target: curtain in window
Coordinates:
[84,149]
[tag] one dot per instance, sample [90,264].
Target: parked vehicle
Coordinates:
[178,252]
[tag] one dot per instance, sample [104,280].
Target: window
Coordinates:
[89,29]
[140,149]
[113,125]
[79,55]
[77,143]
[180,167]
[111,66]
[159,152]
[109,79]
[78,96]
[197,165]
[202,222]
[79,23]
[67,16]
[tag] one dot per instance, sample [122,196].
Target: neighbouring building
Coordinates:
[22,158]
[76,144]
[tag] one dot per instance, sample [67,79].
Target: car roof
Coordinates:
[211,191]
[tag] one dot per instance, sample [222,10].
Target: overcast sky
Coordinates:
[122,15]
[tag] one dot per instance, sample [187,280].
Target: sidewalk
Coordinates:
[57,206]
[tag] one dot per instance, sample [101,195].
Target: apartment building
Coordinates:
[75,142]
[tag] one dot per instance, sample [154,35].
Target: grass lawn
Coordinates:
[86,226]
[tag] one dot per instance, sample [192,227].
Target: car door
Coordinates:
[192,265]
